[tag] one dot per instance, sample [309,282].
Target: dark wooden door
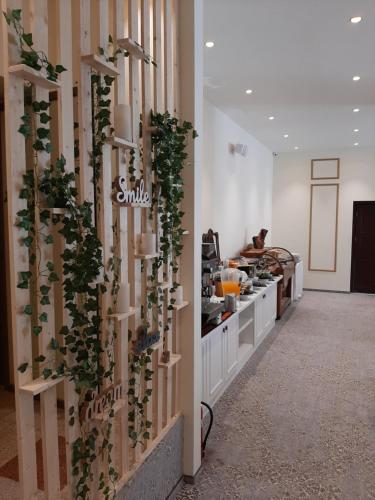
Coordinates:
[363,247]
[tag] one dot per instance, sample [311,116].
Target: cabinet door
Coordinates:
[216,350]
[272,304]
[258,319]
[231,342]
[205,371]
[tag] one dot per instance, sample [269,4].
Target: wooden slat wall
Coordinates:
[55,24]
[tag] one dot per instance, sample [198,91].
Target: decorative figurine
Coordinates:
[260,239]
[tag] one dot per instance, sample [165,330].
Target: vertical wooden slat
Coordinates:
[82,15]
[168,89]
[147,172]
[49,430]
[168,51]
[62,12]
[158,53]
[134,214]
[121,248]
[20,325]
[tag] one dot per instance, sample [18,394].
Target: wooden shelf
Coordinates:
[251,320]
[33,76]
[175,358]
[40,385]
[58,211]
[146,257]
[122,143]
[178,307]
[98,63]
[132,47]
[105,415]
[122,316]
[163,286]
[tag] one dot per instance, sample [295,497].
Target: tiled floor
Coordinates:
[298,423]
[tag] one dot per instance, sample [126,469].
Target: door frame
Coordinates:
[355,205]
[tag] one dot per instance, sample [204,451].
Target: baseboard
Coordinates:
[328,291]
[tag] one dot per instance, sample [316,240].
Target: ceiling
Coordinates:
[299,58]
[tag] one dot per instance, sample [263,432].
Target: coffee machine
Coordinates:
[210,264]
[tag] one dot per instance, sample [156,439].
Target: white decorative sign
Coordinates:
[133,197]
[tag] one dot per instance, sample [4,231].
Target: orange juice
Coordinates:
[230,287]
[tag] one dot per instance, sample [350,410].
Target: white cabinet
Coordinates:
[231,329]
[298,281]
[265,312]
[219,358]
[226,349]
[216,358]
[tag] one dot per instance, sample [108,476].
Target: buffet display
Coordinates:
[227,283]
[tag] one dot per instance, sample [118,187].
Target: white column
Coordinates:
[190,53]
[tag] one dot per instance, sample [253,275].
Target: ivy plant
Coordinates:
[29,56]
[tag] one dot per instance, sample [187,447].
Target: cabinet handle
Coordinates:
[264,296]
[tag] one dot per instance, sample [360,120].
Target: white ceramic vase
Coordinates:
[122,121]
[123,298]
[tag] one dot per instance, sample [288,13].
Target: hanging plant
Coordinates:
[29,56]
[82,357]
[169,141]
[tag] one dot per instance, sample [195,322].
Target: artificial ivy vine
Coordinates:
[168,161]
[80,354]
[169,141]
[29,56]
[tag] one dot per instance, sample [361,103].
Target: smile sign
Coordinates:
[136,197]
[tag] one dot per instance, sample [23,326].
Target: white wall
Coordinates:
[291,207]
[236,190]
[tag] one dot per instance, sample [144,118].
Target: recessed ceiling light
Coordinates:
[249,91]
[286,136]
[210,44]
[356,78]
[356,144]
[296,147]
[356,130]
[271,117]
[355,110]
[356,19]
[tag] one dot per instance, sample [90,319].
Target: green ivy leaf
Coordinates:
[54,344]
[44,289]
[28,241]
[28,39]
[28,310]
[47,372]
[44,301]
[43,317]
[37,330]
[59,68]
[44,118]
[23,367]
[44,105]
[53,277]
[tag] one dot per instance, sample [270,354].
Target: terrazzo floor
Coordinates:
[299,420]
